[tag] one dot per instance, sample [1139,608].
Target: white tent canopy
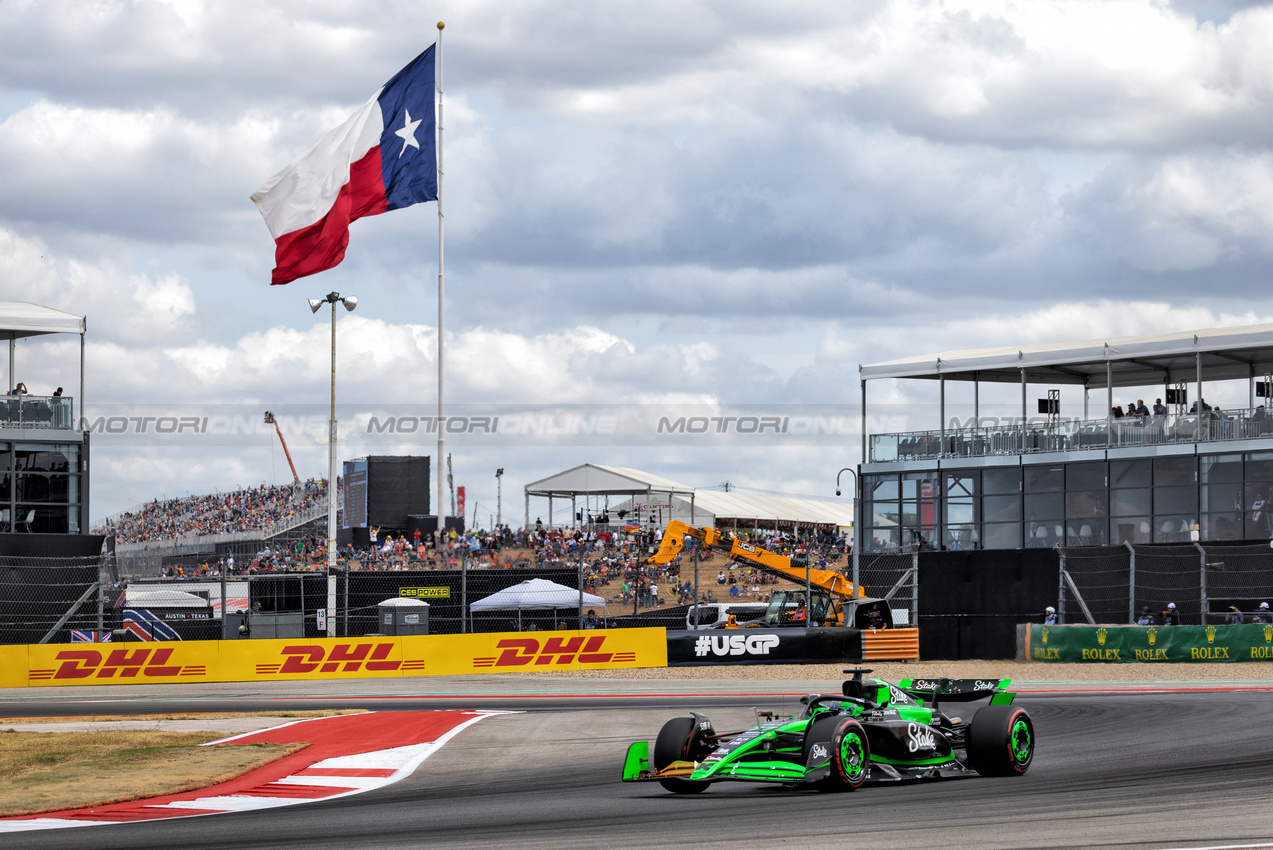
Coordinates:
[20,319]
[536,594]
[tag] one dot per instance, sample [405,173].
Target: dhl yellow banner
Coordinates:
[329,658]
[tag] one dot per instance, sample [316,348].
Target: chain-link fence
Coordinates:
[895,578]
[1205,582]
[46,600]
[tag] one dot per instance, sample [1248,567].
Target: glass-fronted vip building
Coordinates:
[43,448]
[1035,478]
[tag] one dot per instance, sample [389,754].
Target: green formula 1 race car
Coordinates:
[872,732]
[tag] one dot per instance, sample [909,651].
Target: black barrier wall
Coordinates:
[971,602]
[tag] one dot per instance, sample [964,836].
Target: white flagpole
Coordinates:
[440,510]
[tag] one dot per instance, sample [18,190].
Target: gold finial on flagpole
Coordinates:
[441,25]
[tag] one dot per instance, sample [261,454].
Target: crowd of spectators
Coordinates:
[613,563]
[263,508]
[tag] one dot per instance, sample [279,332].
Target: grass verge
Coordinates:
[51,771]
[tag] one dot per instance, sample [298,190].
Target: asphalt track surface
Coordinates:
[1111,770]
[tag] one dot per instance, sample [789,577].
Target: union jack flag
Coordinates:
[147,626]
[90,636]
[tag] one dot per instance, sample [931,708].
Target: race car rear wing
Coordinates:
[930,691]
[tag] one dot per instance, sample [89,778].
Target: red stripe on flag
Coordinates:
[322,245]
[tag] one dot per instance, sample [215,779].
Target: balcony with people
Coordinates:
[994,437]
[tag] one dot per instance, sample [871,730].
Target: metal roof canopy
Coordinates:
[1224,354]
[594,480]
[714,506]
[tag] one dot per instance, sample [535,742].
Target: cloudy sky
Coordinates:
[698,203]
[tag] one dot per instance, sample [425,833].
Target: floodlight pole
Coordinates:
[499,498]
[349,303]
[857,524]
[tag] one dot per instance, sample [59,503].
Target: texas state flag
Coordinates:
[383,158]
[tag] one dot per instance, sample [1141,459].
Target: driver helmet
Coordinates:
[1050,610]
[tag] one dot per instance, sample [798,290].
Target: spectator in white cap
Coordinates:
[1049,616]
[1171,617]
[1263,615]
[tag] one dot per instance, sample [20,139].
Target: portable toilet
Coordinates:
[403,616]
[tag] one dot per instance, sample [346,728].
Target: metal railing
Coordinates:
[33,411]
[1070,435]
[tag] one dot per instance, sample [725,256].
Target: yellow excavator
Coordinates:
[831,593]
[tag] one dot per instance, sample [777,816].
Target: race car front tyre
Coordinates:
[680,740]
[1000,741]
[850,756]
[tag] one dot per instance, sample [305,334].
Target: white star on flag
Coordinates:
[408,134]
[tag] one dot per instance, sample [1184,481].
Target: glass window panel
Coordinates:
[1259,523]
[883,538]
[884,514]
[43,488]
[1131,503]
[34,457]
[1174,470]
[44,519]
[1176,500]
[960,511]
[1130,530]
[1044,479]
[919,513]
[1171,529]
[1001,481]
[1085,476]
[881,486]
[1001,535]
[1217,498]
[1087,504]
[961,484]
[1253,492]
[1221,468]
[1227,526]
[1129,473]
[963,537]
[6,456]
[1049,506]
[1259,467]
[919,485]
[1086,532]
[1001,508]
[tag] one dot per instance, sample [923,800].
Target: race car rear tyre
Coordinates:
[680,740]
[1000,741]
[850,756]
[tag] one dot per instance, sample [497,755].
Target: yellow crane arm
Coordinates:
[674,540]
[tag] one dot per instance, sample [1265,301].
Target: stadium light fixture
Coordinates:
[350,303]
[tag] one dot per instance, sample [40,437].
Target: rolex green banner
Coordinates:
[1252,642]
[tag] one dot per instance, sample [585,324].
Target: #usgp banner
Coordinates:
[1251,642]
[762,646]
